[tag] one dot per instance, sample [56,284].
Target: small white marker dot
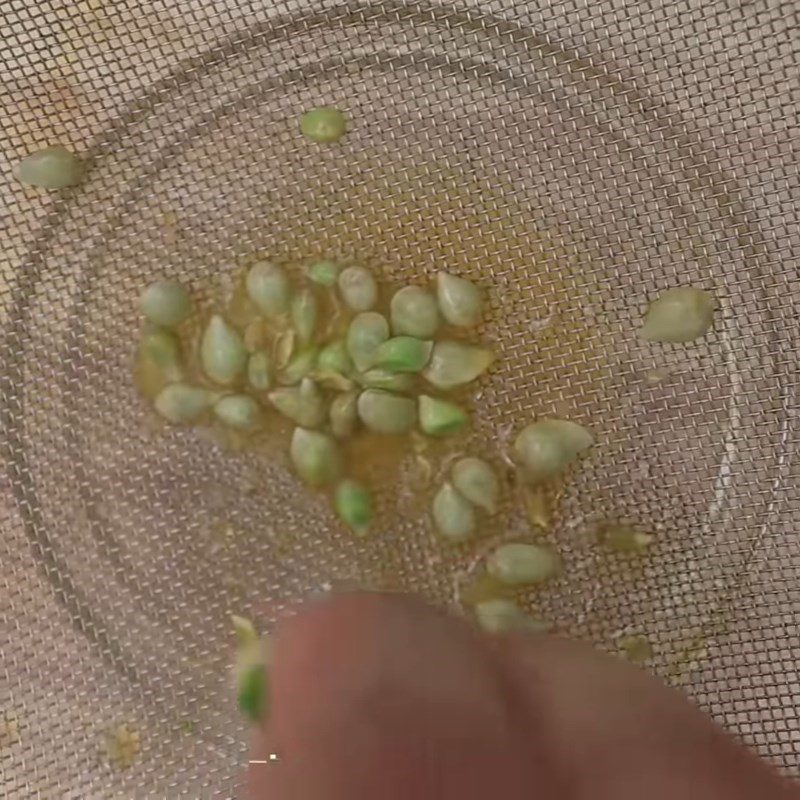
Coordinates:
[272,757]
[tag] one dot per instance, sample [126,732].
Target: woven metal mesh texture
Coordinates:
[574,158]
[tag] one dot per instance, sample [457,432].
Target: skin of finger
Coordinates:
[619,733]
[373,696]
[380,696]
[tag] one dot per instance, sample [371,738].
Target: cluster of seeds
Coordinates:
[330,359]
[324,356]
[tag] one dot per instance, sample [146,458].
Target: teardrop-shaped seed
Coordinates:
[353,503]
[505,616]
[239,411]
[456,363]
[246,633]
[459,299]
[50,168]
[252,692]
[384,412]
[624,538]
[162,350]
[358,288]
[367,332]
[403,354]
[222,352]
[304,315]
[324,272]
[454,515]
[335,358]
[439,417]
[324,124]
[259,371]
[300,366]
[519,564]
[344,415]
[547,447]
[315,456]
[391,381]
[477,481]
[414,313]
[183,404]
[165,303]
[269,288]
[303,404]
[679,315]
[284,347]
[250,670]
[334,381]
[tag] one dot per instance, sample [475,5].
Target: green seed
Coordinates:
[239,411]
[367,332]
[304,315]
[165,303]
[414,313]
[162,350]
[299,367]
[259,371]
[353,504]
[50,168]
[183,404]
[344,415]
[477,481]
[441,417]
[358,288]
[384,412]
[453,515]
[679,315]
[521,564]
[269,288]
[246,634]
[456,363]
[222,352]
[391,381]
[624,538]
[323,272]
[251,649]
[459,299]
[284,346]
[547,447]
[251,669]
[253,693]
[505,616]
[324,124]
[403,354]
[335,358]
[332,380]
[302,404]
[315,456]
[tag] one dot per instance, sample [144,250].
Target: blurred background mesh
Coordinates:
[575,158]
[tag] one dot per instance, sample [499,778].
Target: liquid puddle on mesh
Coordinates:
[428,220]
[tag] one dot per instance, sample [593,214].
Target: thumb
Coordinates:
[381,696]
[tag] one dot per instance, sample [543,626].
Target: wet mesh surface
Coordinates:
[574,160]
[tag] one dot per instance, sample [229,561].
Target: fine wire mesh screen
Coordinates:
[573,158]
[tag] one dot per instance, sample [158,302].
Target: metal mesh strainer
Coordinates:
[575,158]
